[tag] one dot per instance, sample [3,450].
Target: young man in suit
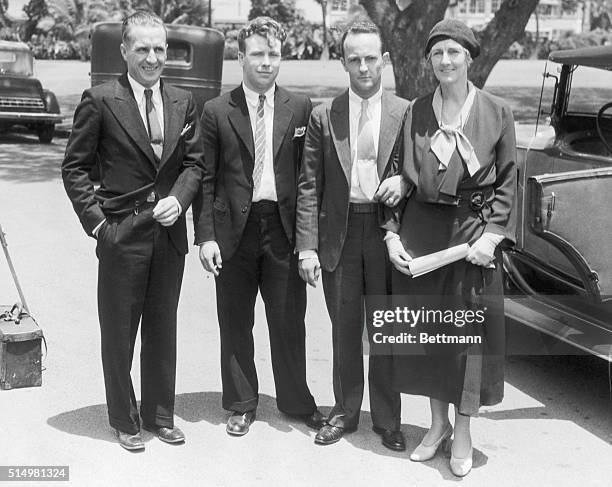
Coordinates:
[245,219]
[349,150]
[145,136]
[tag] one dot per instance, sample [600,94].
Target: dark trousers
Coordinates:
[264,261]
[139,281]
[363,269]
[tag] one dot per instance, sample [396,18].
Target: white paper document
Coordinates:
[431,262]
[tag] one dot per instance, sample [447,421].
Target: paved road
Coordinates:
[553,428]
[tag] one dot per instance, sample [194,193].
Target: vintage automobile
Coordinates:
[23,101]
[194,62]
[559,274]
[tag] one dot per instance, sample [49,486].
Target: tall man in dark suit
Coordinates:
[253,139]
[145,136]
[350,147]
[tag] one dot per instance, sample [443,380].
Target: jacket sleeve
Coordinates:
[502,220]
[392,217]
[203,220]
[80,158]
[187,184]
[310,186]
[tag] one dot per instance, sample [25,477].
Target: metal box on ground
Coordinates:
[20,350]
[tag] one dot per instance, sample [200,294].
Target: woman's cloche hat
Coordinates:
[456,30]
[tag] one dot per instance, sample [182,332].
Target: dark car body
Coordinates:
[23,101]
[559,274]
[194,61]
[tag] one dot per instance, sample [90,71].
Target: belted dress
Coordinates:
[462,184]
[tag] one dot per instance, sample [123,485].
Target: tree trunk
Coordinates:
[405,32]
[325,50]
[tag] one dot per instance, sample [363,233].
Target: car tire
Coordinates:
[45,133]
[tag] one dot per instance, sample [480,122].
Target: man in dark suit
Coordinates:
[145,136]
[351,146]
[244,220]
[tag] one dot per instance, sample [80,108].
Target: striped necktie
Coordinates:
[260,143]
[156,135]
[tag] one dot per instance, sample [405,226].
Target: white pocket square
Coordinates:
[299,132]
[186,129]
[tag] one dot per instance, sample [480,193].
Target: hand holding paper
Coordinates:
[431,262]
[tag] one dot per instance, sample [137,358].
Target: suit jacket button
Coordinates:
[244,209]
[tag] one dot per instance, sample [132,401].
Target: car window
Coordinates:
[179,54]
[591,88]
[12,62]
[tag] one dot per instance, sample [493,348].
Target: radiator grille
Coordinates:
[17,102]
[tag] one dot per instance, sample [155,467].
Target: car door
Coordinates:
[572,212]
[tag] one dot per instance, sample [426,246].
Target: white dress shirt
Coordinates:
[374,112]
[267,186]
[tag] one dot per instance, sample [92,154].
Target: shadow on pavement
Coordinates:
[90,421]
[578,394]
[24,160]
[194,407]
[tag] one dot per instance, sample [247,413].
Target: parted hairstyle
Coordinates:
[262,26]
[360,27]
[140,17]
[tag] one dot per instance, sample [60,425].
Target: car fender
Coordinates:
[51,102]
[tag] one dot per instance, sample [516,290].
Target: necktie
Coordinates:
[156,135]
[260,143]
[366,153]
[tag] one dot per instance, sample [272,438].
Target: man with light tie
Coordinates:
[350,164]
[245,220]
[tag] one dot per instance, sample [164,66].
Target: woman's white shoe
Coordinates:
[425,452]
[461,466]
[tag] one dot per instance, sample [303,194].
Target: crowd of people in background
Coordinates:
[305,40]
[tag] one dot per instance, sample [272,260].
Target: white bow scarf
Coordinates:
[450,137]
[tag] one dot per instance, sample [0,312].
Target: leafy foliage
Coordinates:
[283,11]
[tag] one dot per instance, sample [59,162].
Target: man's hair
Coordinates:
[262,26]
[360,27]
[140,17]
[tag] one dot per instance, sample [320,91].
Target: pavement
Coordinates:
[553,428]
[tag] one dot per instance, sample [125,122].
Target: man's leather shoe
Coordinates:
[330,434]
[169,435]
[238,423]
[316,420]
[129,441]
[393,440]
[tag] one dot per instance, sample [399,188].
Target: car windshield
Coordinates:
[15,62]
[591,88]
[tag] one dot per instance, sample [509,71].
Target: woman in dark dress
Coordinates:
[460,164]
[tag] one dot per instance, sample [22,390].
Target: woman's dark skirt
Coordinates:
[474,377]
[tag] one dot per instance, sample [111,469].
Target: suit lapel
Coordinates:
[124,107]
[341,132]
[240,121]
[282,120]
[174,116]
[390,120]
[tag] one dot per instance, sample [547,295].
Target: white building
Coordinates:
[551,21]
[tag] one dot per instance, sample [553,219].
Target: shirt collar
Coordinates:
[138,89]
[375,98]
[252,97]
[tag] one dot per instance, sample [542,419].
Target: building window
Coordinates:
[495,4]
[339,5]
[462,6]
